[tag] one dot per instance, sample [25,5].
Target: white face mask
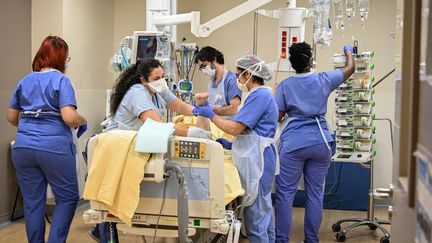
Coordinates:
[211,72]
[310,58]
[158,85]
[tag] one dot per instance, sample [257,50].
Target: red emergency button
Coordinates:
[283,53]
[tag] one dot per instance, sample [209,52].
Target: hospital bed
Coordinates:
[211,187]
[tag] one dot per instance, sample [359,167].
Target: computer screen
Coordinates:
[146,47]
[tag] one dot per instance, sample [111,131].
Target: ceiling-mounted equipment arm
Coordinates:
[204,30]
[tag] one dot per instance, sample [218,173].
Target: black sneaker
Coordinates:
[94,233]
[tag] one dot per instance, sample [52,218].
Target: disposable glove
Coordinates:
[348,48]
[81,130]
[204,111]
[225,143]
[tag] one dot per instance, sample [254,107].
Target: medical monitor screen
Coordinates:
[146,47]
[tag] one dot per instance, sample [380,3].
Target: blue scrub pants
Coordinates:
[313,161]
[258,217]
[34,169]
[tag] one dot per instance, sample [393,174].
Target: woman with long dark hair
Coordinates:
[141,93]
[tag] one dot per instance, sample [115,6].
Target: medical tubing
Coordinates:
[335,174]
[111,233]
[182,203]
[191,63]
[276,76]
[391,130]
[186,64]
[201,181]
[160,211]
[382,79]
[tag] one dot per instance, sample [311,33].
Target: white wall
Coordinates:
[15,29]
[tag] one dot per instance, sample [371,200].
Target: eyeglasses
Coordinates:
[203,66]
[68,59]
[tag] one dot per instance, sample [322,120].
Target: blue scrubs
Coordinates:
[230,87]
[302,149]
[44,152]
[260,114]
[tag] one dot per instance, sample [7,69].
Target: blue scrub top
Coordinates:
[304,96]
[137,100]
[230,87]
[48,91]
[259,113]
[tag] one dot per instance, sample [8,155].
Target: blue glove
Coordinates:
[204,111]
[196,105]
[81,130]
[225,143]
[348,48]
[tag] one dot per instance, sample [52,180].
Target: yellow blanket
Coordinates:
[115,174]
[233,187]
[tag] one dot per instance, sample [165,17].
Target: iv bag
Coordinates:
[363,8]
[321,26]
[350,8]
[120,61]
[338,13]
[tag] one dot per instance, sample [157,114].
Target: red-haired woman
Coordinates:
[43,107]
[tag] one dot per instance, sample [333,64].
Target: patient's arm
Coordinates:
[202,122]
[181,131]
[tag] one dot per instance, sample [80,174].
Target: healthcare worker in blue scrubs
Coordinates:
[43,107]
[305,139]
[140,92]
[253,150]
[224,95]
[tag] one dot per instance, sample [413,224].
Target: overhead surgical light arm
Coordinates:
[204,30]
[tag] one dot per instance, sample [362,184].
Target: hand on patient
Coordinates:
[201,98]
[225,143]
[204,111]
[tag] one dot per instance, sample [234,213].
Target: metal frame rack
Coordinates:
[354,132]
